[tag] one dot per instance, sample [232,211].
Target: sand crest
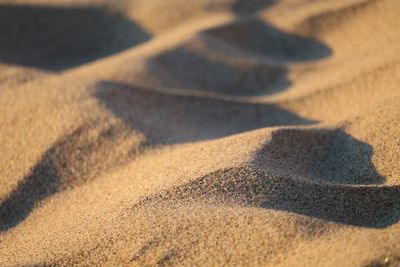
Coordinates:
[199,133]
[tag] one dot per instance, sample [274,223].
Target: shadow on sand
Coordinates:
[320,173]
[246,57]
[56,38]
[257,36]
[327,174]
[167,118]
[73,160]
[337,195]
[163,118]
[191,70]
[244,7]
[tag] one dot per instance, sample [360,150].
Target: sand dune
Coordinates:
[141,133]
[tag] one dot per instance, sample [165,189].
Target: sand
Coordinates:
[199,133]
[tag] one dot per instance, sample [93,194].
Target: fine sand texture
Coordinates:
[199,133]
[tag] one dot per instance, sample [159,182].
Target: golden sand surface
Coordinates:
[199,133]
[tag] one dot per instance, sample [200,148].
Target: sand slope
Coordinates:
[141,133]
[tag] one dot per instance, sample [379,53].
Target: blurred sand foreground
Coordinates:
[197,133]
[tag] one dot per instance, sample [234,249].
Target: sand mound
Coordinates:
[262,133]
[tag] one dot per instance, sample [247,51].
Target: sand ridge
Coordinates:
[224,132]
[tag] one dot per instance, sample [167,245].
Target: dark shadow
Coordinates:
[56,38]
[169,118]
[256,36]
[366,206]
[264,184]
[247,57]
[328,174]
[43,181]
[73,160]
[243,7]
[386,260]
[321,155]
[145,248]
[184,68]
